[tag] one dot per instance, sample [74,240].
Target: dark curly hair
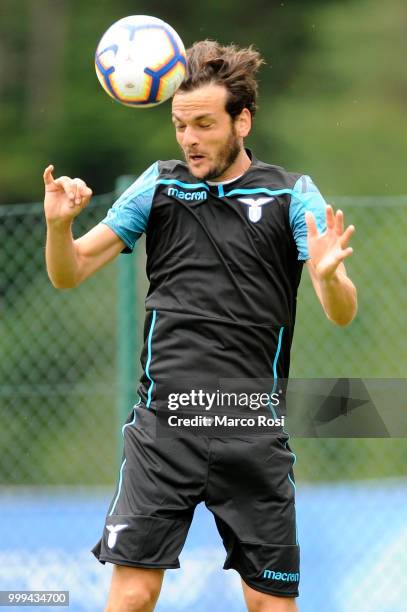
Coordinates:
[230,66]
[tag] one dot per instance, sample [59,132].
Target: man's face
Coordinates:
[205,131]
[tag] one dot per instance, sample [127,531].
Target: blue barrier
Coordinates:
[348,562]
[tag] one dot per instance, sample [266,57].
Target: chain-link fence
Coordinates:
[68,363]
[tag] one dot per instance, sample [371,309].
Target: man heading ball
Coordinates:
[226,236]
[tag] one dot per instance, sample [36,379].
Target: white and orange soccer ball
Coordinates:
[140,61]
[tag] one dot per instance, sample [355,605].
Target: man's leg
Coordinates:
[252,496]
[161,482]
[261,602]
[134,589]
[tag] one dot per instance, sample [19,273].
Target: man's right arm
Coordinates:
[70,262]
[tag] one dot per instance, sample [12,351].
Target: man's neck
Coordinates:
[241,164]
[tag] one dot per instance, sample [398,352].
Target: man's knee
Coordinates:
[134,589]
[262,602]
[272,604]
[133,598]
[269,603]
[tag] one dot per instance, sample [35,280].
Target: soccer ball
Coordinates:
[140,61]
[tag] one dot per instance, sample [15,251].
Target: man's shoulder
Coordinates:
[278,175]
[172,168]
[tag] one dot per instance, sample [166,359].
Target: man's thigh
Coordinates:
[160,482]
[251,492]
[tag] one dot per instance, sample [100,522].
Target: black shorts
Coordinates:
[247,483]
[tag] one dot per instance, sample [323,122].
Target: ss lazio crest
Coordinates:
[113,531]
[255,207]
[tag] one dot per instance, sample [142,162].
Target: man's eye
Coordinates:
[179,127]
[205,125]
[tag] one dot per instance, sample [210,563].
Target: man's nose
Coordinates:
[189,137]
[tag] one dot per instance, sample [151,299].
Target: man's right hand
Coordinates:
[65,198]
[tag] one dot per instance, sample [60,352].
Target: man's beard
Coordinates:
[224,158]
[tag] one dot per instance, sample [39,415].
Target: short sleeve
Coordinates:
[306,196]
[128,217]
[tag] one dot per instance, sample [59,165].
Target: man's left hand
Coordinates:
[328,250]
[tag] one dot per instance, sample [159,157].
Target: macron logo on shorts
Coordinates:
[284,576]
[113,531]
[189,196]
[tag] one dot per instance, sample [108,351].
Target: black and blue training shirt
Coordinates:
[224,262]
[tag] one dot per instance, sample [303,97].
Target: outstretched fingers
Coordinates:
[339,222]
[345,253]
[330,217]
[311,224]
[344,238]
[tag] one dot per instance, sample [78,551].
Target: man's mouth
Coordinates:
[195,157]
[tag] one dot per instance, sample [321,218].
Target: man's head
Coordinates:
[214,107]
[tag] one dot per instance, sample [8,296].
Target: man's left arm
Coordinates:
[327,252]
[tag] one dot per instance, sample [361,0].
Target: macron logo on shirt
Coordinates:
[189,196]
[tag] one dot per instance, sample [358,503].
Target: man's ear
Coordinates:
[243,123]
